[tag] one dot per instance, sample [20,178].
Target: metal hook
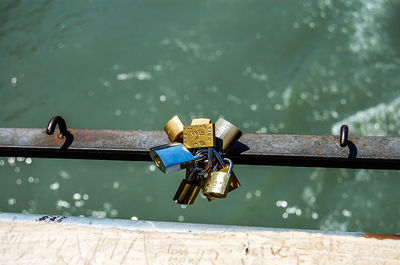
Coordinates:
[344,134]
[61,125]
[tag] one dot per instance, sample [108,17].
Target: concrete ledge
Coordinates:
[49,241]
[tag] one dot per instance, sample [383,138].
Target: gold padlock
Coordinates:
[218,183]
[186,193]
[234,181]
[200,121]
[202,184]
[188,189]
[199,136]
[226,134]
[209,198]
[174,129]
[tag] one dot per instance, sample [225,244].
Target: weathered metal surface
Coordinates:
[81,144]
[381,236]
[370,152]
[257,149]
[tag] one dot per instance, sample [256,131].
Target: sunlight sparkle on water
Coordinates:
[248,196]
[79,203]
[281,203]
[116,185]
[63,204]
[152,167]
[54,186]
[64,174]
[12,201]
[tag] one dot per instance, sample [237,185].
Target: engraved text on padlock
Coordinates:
[199,136]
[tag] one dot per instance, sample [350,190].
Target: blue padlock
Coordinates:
[172,157]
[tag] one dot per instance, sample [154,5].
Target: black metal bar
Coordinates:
[255,149]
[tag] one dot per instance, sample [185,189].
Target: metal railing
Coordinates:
[370,152]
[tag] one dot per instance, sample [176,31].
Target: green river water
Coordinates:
[297,67]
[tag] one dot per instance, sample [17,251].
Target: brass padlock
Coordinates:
[188,189]
[199,136]
[209,198]
[174,129]
[186,193]
[234,181]
[200,121]
[218,183]
[219,163]
[202,183]
[226,134]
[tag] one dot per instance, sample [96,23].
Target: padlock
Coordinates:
[172,157]
[218,182]
[217,164]
[220,166]
[211,163]
[234,184]
[200,121]
[226,134]
[199,136]
[188,189]
[186,193]
[174,129]
[202,182]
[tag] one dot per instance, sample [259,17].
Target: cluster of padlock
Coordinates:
[199,148]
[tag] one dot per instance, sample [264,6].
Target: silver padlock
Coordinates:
[226,134]
[172,157]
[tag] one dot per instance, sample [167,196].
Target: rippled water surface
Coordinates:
[302,67]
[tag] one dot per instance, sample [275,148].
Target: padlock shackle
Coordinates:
[230,165]
[189,178]
[219,158]
[198,157]
[209,157]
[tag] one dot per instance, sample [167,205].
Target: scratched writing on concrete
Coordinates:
[51,219]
